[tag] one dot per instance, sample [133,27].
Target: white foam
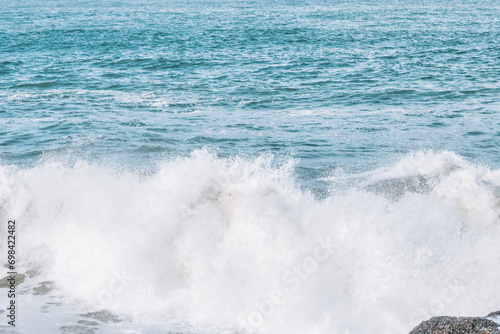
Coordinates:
[211,244]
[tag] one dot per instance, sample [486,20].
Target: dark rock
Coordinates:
[493,314]
[457,325]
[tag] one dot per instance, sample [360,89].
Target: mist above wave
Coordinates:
[236,244]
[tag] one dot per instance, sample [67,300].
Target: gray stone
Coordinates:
[457,325]
[493,314]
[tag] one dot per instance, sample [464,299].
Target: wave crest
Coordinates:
[235,244]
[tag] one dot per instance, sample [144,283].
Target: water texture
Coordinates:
[250,166]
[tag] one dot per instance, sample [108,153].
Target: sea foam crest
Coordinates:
[234,244]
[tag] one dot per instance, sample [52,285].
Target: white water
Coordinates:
[227,245]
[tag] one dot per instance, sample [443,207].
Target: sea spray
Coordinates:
[234,244]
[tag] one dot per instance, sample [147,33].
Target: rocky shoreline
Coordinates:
[460,325]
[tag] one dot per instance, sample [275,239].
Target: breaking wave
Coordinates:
[235,245]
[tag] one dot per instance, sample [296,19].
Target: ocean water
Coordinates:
[249,166]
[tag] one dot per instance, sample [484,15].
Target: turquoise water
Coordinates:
[204,150]
[341,83]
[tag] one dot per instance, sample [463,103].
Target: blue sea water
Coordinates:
[208,145]
[330,83]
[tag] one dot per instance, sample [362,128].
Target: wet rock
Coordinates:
[457,325]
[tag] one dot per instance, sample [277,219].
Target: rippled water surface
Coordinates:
[330,83]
